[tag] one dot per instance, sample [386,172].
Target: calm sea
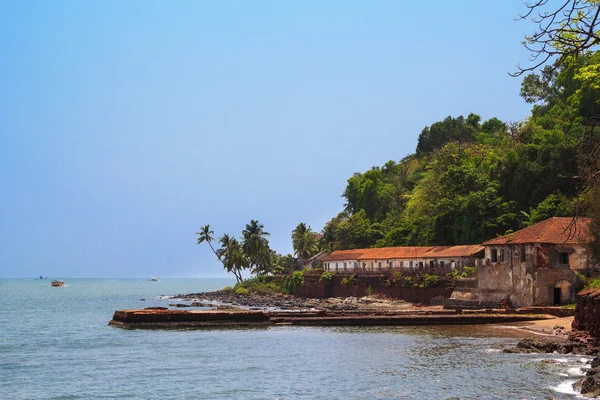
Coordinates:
[55,344]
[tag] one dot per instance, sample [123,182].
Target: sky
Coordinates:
[125,126]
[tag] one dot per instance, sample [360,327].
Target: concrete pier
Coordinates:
[162,319]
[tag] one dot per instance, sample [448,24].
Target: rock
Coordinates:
[595,362]
[156,308]
[530,345]
[180,305]
[590,385]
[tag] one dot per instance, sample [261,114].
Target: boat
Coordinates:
[57,283]
[153,279]
[43,278]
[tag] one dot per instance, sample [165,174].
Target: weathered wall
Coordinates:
[376,284]
[529,279]
[587,313]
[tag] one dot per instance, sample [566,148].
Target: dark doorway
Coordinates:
[557,296]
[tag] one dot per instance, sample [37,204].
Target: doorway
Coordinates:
[557,296]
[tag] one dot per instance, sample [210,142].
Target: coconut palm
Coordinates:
[206,235]
[232,255]
[256,247]
[304,241]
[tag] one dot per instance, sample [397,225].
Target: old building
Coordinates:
[537,265]
[409,258]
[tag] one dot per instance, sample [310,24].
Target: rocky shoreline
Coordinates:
[228,298]
[575,342]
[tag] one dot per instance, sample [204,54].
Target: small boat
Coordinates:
[153,279]
[43,278]
[58,283]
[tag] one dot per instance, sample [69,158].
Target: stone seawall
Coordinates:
[364,285]
[587,313]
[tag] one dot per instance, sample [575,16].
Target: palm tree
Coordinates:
[256,246]
[232,256]
[328,237]
[304,242]
[206,235]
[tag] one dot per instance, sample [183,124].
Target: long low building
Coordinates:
[410,258]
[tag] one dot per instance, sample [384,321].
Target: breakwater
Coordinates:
[160,319]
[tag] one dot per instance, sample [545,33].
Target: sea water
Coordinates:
[55,344]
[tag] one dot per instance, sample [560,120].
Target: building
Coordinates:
[537,265]
[409,258]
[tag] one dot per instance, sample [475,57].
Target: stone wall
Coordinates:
[363,285]
[587,313]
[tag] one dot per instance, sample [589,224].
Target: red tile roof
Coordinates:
[555,230]
[340,255]
[390,253]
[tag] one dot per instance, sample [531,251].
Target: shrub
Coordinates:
[430,281]
[326,277]
[408,282]
[242,290]
[227,289]
[593,283]
[344,281]
[369,291]
[298,278]
[468,272]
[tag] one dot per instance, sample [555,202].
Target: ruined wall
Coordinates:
[365,284]
[528,279]
[587,313]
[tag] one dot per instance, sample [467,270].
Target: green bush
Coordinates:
[261,285]
[369,291]
[408,282]
[326,277]
[227,289]
[243,291]
[344,281]
[593,283]
[298,278]
[429,281]
[468,272]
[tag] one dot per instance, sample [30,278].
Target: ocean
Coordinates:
[55,344]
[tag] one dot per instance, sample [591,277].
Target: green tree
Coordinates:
[206,235]
[304,242]
[256,247]
[232,255]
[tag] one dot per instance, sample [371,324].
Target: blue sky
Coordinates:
[125,126]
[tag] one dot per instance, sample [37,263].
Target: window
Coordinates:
[494,255]
[379,265]
[345,267]
[420,265]
[452,264]
[563,258]
[505,255]
[523,254]
[355,265]
[401,264]
[336,266]
[442,264]
[372,266]
[410,266]
[431,264]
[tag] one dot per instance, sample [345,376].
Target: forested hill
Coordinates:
[470,180]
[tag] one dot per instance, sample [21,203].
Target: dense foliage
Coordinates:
[469,180]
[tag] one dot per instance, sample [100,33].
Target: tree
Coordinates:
[256,247]
[563,34]
[233,257]
[206,235]
[304,242]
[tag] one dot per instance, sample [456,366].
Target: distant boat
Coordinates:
[153,279]
[43,277]
[58,283]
